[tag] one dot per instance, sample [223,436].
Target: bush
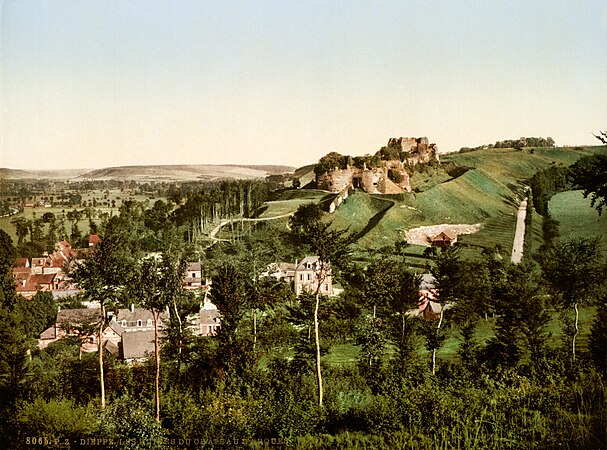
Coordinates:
[56,419]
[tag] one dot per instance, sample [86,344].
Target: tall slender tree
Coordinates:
[332,248]
[102,277]
[158,282]
[574,271]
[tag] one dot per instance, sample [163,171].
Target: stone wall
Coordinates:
[334,181]
[376,181]
[419,149]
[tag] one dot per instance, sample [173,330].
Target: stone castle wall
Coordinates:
[376,181]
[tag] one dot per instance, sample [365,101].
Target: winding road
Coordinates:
[519,234]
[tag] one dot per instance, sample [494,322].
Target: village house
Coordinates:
[309,274]
[303,276]
[73,322]
[193,276]
[429,307]
[138,319]
[444,239]
[22,262]
[138,346]
[207,322]
[284,272]
[94,239]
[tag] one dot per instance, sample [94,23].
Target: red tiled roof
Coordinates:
[94,239]
[21,262]
[46,278]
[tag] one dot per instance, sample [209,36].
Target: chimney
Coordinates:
[132,307]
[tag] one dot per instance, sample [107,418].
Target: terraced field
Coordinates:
[489,193]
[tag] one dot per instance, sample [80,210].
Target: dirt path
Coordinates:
[519,234]
[423,235]
[225,222]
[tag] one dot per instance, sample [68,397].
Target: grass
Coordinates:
[100,195]
[346,354]
[577,219]
[488,193]
[290,200]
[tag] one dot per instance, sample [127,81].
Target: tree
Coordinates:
[391,287]
[590,174]
[447,275]
[598,338]
[332,248]
[574,272]
[101,276]
[158,283]
[602,136]
[522,318]
[229,294]
[21,225]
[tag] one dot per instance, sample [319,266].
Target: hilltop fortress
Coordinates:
[386,172]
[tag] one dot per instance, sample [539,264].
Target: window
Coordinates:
[326,288]
[149,322]
[301,277]
[139,323]
[123,323]
[308,277]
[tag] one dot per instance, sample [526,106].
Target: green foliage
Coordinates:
[598,338]
[130,424]
[330,162]
[36,314]
[56,421]
[590,174]
[574,269]
[546,183]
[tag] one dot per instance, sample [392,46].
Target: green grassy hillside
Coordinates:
[575,215]
[488,193]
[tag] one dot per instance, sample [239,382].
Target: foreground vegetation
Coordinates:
[517,359]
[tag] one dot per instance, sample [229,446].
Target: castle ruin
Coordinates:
[392,174]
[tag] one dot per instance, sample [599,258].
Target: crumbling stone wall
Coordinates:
[335,181]
[376,180]
[418,150]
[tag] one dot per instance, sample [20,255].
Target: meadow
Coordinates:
[577,219]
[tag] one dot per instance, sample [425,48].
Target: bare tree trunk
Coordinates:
[317,338]
[100,344]
[254,312]
[179,350]
[440,321]
[157,355]
[576,328]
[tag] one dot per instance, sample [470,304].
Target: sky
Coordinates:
[98,83]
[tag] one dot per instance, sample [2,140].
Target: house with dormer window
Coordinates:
[310,275]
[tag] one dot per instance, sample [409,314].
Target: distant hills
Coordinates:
[199,172]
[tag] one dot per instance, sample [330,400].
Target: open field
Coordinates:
[153,173]
[289,201]
[101,201]
[577,219]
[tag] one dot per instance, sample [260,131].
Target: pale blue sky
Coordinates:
[101,82]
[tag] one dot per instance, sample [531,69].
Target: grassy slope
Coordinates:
[289,201]
[489,193]
[575,215]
